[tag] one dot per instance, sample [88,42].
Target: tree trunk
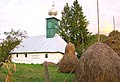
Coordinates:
[1,63]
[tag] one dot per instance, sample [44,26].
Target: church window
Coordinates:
[46,55]
[25,54]
[16,55]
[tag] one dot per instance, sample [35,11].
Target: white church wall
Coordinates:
[37,58]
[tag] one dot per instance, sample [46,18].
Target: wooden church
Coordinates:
[37,49]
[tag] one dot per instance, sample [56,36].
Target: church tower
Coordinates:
[51,23]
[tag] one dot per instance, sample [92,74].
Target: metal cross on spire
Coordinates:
[53,4]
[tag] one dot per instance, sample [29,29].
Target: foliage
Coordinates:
[92,40]
[73,26]
[103,38]
[12,39]
[34,73]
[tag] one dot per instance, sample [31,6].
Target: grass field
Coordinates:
[34,73]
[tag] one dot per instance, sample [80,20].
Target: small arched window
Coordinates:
[25,54]
[46,55]
[16,55]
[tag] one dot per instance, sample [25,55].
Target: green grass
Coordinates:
[34,73]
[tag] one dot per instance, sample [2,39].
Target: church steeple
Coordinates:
[51,23]
[53,11]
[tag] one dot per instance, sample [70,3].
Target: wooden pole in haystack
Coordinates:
[98,21]
[47,78]
[114,23]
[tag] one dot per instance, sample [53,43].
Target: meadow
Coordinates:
[34,73]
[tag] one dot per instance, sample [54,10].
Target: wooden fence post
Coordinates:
[47,78]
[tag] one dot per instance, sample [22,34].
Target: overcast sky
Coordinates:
[29,15]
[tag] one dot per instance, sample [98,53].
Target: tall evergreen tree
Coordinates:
[73,26]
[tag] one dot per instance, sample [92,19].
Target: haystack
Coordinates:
[69,59]
[98,64]
[114,41]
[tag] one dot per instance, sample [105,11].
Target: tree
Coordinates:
[73,26]
[94,38]
[12,39]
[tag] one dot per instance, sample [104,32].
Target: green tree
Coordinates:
[73,26]
[94,38]
[12,39]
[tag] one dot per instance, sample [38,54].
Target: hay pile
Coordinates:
[98,64]
[114,41]
[69,59]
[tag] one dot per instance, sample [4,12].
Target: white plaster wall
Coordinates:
[37,58]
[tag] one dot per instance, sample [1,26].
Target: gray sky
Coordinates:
[29,15]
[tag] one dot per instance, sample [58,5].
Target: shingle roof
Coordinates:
[41,44]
